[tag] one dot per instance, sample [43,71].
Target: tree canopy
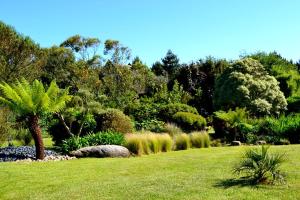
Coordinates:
[247,84]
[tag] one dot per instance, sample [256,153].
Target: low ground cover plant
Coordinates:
[100,138]
[261,166]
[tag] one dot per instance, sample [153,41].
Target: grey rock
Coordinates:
[102,151]
[236,143]
[261,142]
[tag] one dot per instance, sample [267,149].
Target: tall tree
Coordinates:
[285,71]
[168,66]
[199,79]
[86,49]
[19,55]
[119,54]
[247,84]
[171,63]
[60,65]
[31,102]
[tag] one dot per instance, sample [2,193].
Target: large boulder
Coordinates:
[102,151]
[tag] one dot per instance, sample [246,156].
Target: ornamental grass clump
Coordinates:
[172,129]
[147,143]
[165,142]
[260,166]
[182,142]
[134,144]
[200,139]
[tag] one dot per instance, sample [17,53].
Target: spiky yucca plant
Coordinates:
[31,101]
[259,165]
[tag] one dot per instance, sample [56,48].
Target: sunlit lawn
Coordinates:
[191,174]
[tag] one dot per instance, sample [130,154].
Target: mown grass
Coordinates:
[190,174]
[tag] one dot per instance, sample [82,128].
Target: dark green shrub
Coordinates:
[143,111]
[150,125]
[114,120]
[167,112]
[284,127]
[105,138]
[182,142]
[232,125]
[59,133]
[23,136]
[259,166]
[189,121]
[101,138]
[293,104]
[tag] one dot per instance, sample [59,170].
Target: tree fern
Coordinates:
[32,101]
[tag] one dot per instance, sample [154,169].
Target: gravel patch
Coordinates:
[27,153]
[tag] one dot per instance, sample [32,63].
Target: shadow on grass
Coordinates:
[235,183]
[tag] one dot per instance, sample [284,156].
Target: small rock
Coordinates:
[102,151]
[236,143]
[261,142]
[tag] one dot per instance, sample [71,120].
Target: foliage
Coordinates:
[26,99]
[117,84]
[247,84]
[60,66]
[168,67]
[100,138]
[259,166]
[150,125]
[198,78]
[168,111]
[182,142]
[284,71]
[19,55]
[23,136]
[189,121]
[119,53]
[284,127]
[32,101]
[200,139]
[5,125]
[293,104]
[143,111]
[147,143]
[85,49]
[231,125]
[114,120]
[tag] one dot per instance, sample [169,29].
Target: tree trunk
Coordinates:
[36,133]
[62,120]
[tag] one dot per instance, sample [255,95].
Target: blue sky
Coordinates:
[192,29]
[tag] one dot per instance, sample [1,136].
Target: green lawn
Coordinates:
[192,174]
